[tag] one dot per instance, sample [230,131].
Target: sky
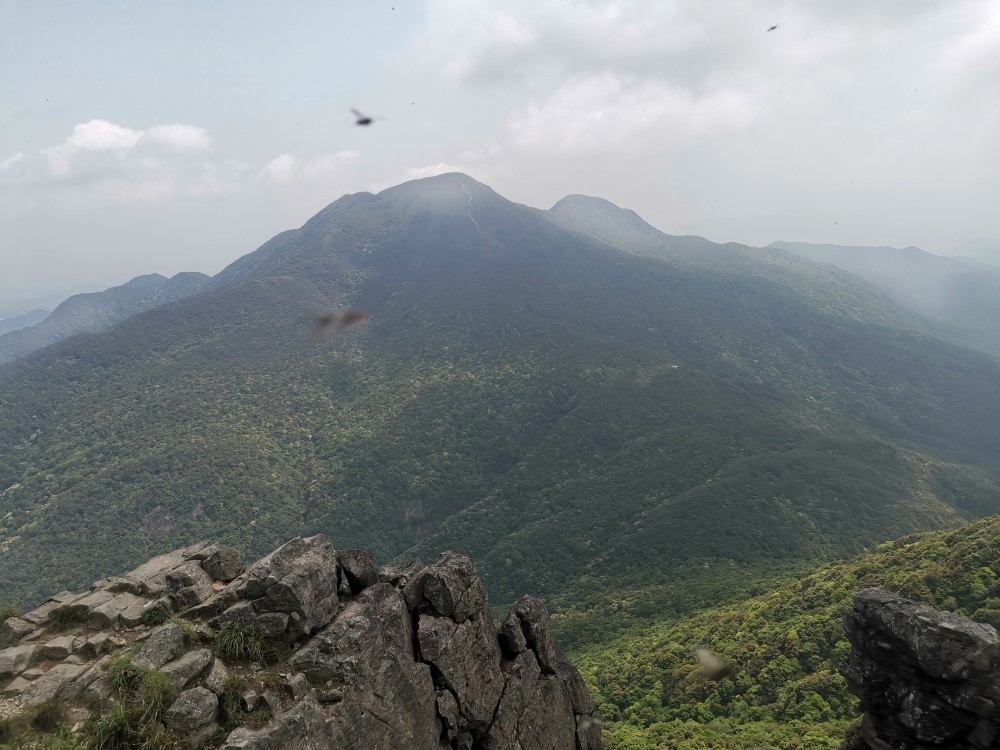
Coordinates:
[143,136]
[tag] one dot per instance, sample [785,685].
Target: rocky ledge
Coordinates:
[310,647]
[926,679]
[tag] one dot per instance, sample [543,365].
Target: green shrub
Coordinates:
[48,716]
[63,618]
[231,701]
[7,611]
[153,616]
[236,641]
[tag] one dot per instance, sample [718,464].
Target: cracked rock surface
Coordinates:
[366,657]
[925,679]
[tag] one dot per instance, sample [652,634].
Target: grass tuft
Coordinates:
[237,641]
[63,618]
[231,701]
[7,611]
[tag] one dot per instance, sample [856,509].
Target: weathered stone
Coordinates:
[188,585]
[297,686]
[164,644]
[14,629]
[95,645]
[527,625]
[271,701]
[925,678]
[100,689]
[272,624]
[40,615]
[107,613]
[465,658]
[81,607]
[184,671]
[33,673]
[359,569]
[300,577]
[366,654]
[16,687]
[55,682]
[217,677]
[303,727]
[192,712]
[121,585]
[224,564]
[15,660]
[153,574]
[248,700]
[449,586]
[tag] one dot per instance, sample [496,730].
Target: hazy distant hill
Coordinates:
[98,311]
[963,295]
[575,416]
[985,250]
[24,320]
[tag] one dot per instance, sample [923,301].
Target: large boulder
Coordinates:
[300,579]
[193,713]
[14,660]
[925,679]
[165,643]
[303,727]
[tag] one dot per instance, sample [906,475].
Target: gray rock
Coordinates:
[164,644]
[248,700]
[297,686]
[15,660]
[121,585]
[527,625]
[366,656]
[224,564]
[301,728]
[217,677]
[465,658]
[359,569]
[189,585]
[58,681]
[95,645]
[300,578]
[14,629]
[449,587]
[192,712]
[925,678]
[272,624]
[184,671]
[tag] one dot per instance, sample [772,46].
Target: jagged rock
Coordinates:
[32,674]
[359,569]
[298,578]
[95,645]
[193,712]
[153,574]
[164,643]
[217,677]
[58,648]
[527,625]
[80,607]
[303,727]
[449,586]
[297,685]
[110,611]
[188,585]
[272,624]
[248,700]
[400,577]
[533,711]
[186,669]
[14,629]
[224,564]
[51,684]
[17,686]
[367,653]
[925,679]
[465,659]
[15,660]
[40,615]
[121,585]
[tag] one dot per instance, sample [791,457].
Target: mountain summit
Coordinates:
[555,405]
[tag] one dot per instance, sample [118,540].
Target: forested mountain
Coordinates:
[98,311]
[963,295]
[574,416]
[24,320]
[784,646]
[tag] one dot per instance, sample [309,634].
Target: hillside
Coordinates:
[984,250]
[98,311]
[962,295]
[22,321]
[784,646]
[572,416]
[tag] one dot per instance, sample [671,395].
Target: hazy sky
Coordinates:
[151,136]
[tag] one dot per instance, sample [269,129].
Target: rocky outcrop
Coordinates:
[925,679]
[366,657]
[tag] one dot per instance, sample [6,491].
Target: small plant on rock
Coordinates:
[231,701]
[237,641]
[63,618]
[190,633]
[7,611]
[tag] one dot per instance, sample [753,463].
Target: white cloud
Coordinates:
[96,135]
[432,170]
[11,161]
[285,169]
[605,111]
[179,136]
[280,170]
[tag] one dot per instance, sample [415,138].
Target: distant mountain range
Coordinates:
[985,250]
[581,403]
[95,311]
[17,322]
[962,295]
